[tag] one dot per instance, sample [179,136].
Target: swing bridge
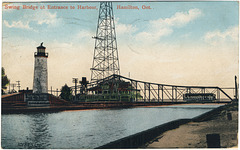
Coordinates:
[120,88]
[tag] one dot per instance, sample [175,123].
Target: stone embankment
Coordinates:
[188,133]
[222,123]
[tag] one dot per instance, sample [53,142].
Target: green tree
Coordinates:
[5,80]
[66,93]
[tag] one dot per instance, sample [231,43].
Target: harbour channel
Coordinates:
[88,128]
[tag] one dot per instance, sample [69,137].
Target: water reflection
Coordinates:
[39,132]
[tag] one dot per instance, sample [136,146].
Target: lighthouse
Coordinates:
[40,81]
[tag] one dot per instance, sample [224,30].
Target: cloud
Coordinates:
[217,37]
[40,17]
[178,19]
[17,24]
[85,34]
[124,28]
[45,17]
[163,27]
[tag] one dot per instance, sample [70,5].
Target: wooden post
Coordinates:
[213,140]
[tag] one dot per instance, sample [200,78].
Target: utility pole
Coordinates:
[18,85]
[13,85]
[236,88]
[75,80]
[9,87]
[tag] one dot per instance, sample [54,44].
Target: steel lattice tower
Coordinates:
[105,59]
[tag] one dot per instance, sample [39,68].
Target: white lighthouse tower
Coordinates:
[40,81]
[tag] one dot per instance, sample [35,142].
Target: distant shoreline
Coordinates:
[89,106]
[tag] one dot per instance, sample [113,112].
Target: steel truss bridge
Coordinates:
[154,92]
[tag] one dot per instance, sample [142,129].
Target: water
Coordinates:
[89,128]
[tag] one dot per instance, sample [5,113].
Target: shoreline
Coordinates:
[89,106]
[194,134]
[152,138]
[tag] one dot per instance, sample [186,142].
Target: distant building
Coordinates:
[110,89]
[40,81]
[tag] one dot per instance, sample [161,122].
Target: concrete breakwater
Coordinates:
[140,139]
[219,130]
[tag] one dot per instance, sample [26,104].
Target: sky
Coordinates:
[179,43]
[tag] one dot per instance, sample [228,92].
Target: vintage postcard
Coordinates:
[119,74]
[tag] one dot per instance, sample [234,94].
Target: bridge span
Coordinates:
[114,86]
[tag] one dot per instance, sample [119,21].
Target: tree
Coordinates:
[66,93]
[5,81]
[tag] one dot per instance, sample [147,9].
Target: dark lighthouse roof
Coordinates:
[41,51]
[41,46]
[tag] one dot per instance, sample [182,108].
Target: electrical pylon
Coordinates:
[105,59]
